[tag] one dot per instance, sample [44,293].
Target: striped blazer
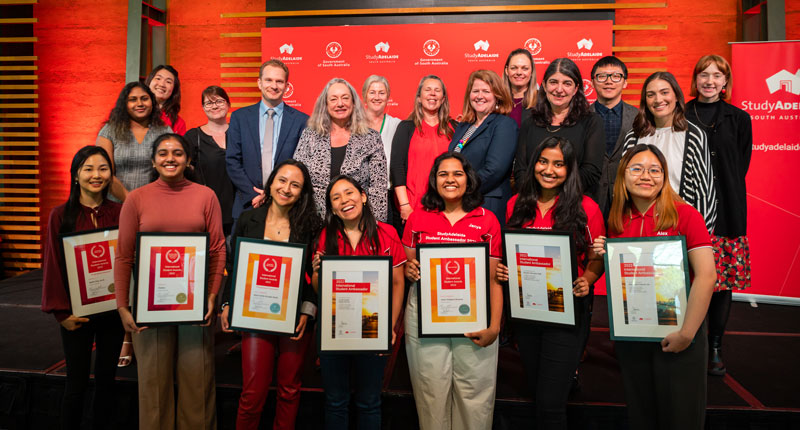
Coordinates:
[697,175]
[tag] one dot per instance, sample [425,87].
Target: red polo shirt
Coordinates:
[432,226]
[690,224]
[594,222]
[387,238]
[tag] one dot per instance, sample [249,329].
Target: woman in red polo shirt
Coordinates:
[550,198]
[351,229]
[453,378]
[665,384]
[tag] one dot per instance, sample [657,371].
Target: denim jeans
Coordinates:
[367,374]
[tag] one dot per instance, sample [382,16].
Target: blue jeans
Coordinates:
[368,376]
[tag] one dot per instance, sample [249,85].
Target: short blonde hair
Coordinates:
[320,121]
[375,79]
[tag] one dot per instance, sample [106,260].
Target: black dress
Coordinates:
[208,160]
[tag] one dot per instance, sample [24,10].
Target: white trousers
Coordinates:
[453,379]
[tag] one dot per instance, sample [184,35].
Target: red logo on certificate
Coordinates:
[343,286]
[453,276]
[98,258]
[524,259]
[269,271]
[630,270]
[172,262]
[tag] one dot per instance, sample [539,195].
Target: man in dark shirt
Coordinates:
[609,78]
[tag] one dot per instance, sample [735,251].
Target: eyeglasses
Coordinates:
[211,103]
[615,77]
[655,172]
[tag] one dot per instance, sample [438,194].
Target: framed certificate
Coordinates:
[541,268]
[170,278]
[89,258]
[453,296]
[267,279]
[355,304]
[647,282]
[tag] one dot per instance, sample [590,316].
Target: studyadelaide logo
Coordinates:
[782,85]
[286,52]
[584,50]
[481,53]
[382,54]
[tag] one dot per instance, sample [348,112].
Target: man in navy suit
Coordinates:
[261,136]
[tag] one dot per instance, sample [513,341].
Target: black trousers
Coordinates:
[106,331]
[664,390]
[550,355]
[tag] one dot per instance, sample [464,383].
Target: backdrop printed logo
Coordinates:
[481,45]
[287,49]
[588,88]
[382,46]
[289,90]
[333,50]
[430,47]
[533,45]
[784,80]
[585,44]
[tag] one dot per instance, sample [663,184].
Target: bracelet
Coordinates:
[404,204]
[223,306]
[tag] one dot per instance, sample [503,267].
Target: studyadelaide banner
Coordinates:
[766,84]
[407,52]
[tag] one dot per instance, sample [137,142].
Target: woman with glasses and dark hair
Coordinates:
[351,229]
[163,81]
[665,383]
[730,140]
[454,379]
[418,141]
[564,112]
[208,158]
[550,198]
[661,122]
[288,214]
[519,74]
[171,355]
[87,208]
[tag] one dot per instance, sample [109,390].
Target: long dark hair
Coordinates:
[304,221]
[172,105]
[188,173]
[645,123]
[72,209]
[334,225]
[120,121]
[471,199]
[542,114]
[568,213]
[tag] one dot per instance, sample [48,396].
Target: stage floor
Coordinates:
[760,390]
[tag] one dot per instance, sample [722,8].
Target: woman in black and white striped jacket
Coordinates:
[661,122]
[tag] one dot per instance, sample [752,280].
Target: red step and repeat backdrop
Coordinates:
[766,84]
[405,53]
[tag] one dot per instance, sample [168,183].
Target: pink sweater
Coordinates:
[184,207]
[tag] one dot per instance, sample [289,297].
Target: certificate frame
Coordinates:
[473,317]
[560,266]
[253,259]
[149,247]
[89,259]
[378,270]
[670,275]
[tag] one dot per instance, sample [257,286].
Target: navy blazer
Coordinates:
[243,153]
[491,151]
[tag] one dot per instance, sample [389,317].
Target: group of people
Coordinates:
[352,180]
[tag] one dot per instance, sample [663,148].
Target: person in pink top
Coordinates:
[172,354]
[163,81]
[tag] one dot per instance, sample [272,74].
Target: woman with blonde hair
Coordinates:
[519,74]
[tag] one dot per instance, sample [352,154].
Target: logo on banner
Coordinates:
[588,88]
[333,50]
[533,45]
[289,90]
[382,46]
[287,49]
[784,80]
[585,44]
[430,47]
[481,45]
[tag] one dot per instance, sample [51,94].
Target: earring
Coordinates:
[723,91]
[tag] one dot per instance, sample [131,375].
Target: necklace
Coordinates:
[553,131]
[519,102]
[709,126]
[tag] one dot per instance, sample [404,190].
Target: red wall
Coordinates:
[792,19]
[81,52]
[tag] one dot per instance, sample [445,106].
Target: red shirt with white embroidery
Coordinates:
[432,226]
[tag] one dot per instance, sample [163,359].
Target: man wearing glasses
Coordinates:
[609,78]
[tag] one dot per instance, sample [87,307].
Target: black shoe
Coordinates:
[716,366]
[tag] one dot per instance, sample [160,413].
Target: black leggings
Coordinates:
[106,330]
[718,311]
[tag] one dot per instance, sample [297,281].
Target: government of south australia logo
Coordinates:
[289,90]
[334,50]
[533,45]
[430,47]
[784,80]
[588,88]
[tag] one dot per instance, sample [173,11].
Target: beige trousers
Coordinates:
[170,355]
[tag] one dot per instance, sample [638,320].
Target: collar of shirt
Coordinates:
[479,211]
[262,110]
[603,110]
[651,212]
